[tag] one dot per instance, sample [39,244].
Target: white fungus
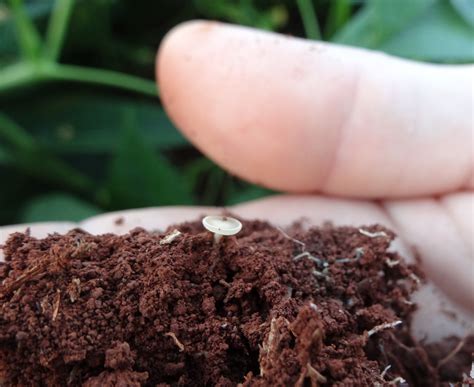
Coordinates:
[221,225]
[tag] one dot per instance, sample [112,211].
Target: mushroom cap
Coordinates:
[222,225]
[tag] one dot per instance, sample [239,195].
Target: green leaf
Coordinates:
[29,156]
[14,194]
[426,30]
[391,17]
[4,157]
[89,124]
[14,134]
[141,177]
[57,28]
[465,8]
[27,35]
[57,207]
[338,14]
[35,10]
[440,36]
[310,21]
[379,20]
[244,12]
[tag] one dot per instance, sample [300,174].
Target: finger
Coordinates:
[428,227]
[460,207]
[307,116]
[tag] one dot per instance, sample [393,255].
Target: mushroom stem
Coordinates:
[217,238]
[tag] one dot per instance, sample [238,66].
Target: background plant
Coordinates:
[81,126]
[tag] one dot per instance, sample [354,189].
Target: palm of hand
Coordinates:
[307,117]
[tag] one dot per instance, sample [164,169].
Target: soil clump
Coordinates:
[324,306]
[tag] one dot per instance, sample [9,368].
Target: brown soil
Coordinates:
[329,306]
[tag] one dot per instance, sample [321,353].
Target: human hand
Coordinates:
[368,138]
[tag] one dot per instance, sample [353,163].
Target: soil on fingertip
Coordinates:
[324,306]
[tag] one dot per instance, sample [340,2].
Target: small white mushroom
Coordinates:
[221,225]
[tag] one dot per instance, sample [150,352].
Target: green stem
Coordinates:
[57,27]
[339,13]
[310,22]
[101,77]
[28,37]
[25,74]
[14,134]
[17,75]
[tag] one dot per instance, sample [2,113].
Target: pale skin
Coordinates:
[361,137]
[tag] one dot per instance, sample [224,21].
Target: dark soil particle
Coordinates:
[327,306]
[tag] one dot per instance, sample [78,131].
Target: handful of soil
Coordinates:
[327,306]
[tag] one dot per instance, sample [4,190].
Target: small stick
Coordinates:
[170,237]
[415,278]
[392,262]
[57,303]
[381,327]
[313,374]
[373,234]
[176,341]
[319,274]
[397,380]
[384,372]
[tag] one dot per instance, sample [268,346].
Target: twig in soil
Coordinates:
[269,349]
[392,262]
[176,341]
[397,380]
[415,278]
[28,275]
[373,234]
[170,237]
[381,327]
[311,373]
[453,353]
[314,375]
[57,303]
[224,283]
[385,370]
[317,273]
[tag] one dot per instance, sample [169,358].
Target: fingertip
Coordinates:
[237,94]
[172,58]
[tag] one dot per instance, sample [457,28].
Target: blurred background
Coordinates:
[82,130]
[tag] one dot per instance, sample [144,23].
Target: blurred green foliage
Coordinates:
[81,126]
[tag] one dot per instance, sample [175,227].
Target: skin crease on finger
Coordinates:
[302,116]
[282,210]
